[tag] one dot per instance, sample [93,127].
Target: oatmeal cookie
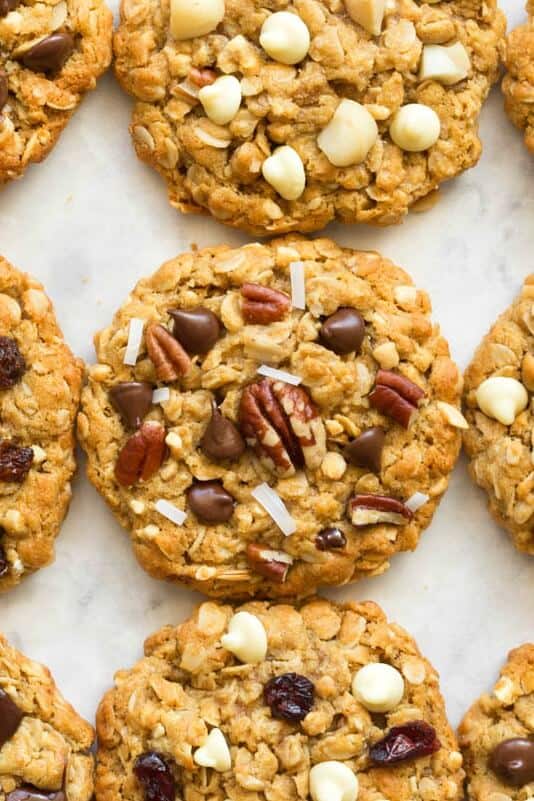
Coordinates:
[305,419]
[498,406]
[51,53]
[285,116]
[44,743]
[40,382]
[281,703]
[518,83]
[497,734]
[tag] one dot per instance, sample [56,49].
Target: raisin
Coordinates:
[290,696]
[412,740]
[12,364]
[15,462]
[155,774]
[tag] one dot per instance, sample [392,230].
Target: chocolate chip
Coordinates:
[221,439]
[343,331]
[50,54]
[4,88]
[366,450]
[197,330]
[210,501]
[513,761]
[29,793]
[132,399]
[6,6]
[10,717]
[329,539]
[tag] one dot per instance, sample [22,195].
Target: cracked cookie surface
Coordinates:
[500,453]
[251,459]
[44,743]
[498,767]
[40,382]
[218,168]
[51,53]
[518,83]
[189,683]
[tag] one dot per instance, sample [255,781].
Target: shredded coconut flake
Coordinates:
[210,140]
[277,556]
[279,375]
[171,512]
[275,507]
[298,284]
[135,335]
[417,500]
[161,395]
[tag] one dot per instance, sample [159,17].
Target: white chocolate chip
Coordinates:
[284,170]
[367,13]
[333,781]
[448,65]
[190,18]
[379,687]
[415,127]
[285,37]
[349,136]
[221,99]
[504,691]
[214,753]
[246,638]
[502,398]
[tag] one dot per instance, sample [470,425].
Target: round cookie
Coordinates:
[497,735]
[241,484]
[44,743]
[379,109]
[498,386]
[52,53]
[518,83]
[40,382]
[292,722]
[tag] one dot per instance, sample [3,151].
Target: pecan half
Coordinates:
[142,455]
[283,425]
[365,510]
[263,305]
[169,358]
[273,565]
[402,385]
[396,396]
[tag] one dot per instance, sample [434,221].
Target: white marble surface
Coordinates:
[90,221]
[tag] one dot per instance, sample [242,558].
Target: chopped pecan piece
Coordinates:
[365,510]
[263,305]
[273,565]
[15,462]
[142,455]
[169,358]
[396,396]
[203,77]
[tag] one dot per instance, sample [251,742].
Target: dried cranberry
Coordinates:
[290,696]
[15,462]
[155,774]
[412,740]
[12,364]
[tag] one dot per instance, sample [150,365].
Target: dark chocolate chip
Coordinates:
[6,6]
[329,539]
[221,439]
[10,717]
[513,761]
[210,501]
[132,399]
[50,54]
[343,331]
[366,450]
[29,793]
[197,330]
[4,564]
[4,87]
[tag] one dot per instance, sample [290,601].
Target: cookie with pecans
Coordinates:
[322,701]
[44,744]
[271,418]
[497,734]
[286,116]
[498,406]
[40,382]
[51,55]
[518,83]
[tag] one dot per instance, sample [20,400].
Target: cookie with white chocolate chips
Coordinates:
[40,382]
[51,54]
[44,744]
[285,116]
[322,701]
[497,734]
[498,405]
[518,83]
[304,421]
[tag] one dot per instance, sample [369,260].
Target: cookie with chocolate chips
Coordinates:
[497,734]
[40,382]
[319,701]
[51,54]
[303,438]
[518,83]
[44,744]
